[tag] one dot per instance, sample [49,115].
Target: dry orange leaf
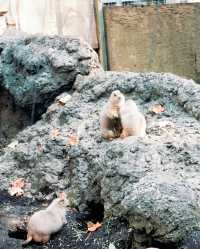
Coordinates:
[55,133]
[91,227]
[16,187]
[63,100]
[73,139]
[157,109]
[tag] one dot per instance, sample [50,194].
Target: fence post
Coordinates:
[101,33]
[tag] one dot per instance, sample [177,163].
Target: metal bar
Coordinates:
[101,33]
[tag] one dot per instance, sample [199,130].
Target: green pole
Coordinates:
[101,33]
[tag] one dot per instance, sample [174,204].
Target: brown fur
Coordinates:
[110,121]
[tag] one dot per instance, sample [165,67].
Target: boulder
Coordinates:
[35,69]
[152,182]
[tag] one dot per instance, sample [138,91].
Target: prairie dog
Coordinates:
[110,122]
[133,121]
[45,222]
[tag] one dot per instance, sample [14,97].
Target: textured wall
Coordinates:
[155,38]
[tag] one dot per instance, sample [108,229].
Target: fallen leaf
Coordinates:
[55,133]
[157,109]
[73,139]
[63,100]
[16,187]
[91,227]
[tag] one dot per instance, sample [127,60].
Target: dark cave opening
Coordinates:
[19,234]
[161,245]
[12,118]
[95,211]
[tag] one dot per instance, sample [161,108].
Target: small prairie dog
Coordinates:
[45,222]
[110,122]
[133,121]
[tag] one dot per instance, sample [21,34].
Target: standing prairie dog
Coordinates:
[133,121]
[45,222]
[110,122]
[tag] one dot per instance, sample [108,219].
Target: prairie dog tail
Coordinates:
[28,240]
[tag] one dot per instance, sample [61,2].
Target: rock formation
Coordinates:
[152,182]
[33,71]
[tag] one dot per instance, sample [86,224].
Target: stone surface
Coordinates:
[192,241]
[153,181]
[35,69]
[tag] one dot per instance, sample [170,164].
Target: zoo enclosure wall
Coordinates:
[159,38]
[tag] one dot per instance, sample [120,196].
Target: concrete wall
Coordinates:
[155,38]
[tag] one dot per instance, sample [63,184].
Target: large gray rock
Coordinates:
[35,69]
[153,181]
